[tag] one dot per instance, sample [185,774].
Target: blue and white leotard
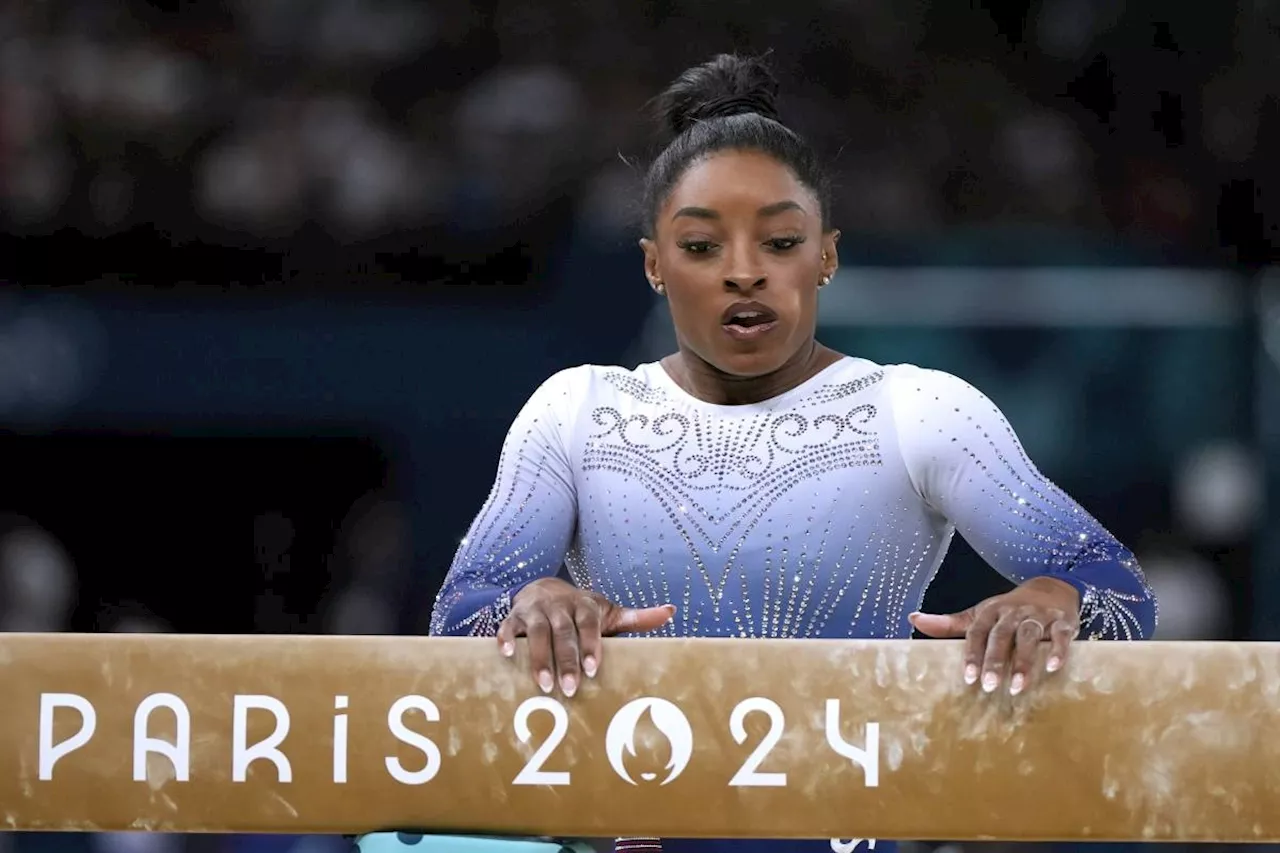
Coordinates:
[822,512]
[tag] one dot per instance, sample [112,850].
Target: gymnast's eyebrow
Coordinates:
[768,210]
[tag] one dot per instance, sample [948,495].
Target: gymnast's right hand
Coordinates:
[564,625]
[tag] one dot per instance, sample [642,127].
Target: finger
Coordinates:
[564,642]
[1061,633]
[999,648]
[1026,644]
[587,617]
[625,620]
[538,630]
[511,627]
[942,627]
[975,640]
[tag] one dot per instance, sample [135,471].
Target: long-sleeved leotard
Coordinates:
[823,512]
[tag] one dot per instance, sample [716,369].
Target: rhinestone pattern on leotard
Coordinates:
[717,480]
[824,512]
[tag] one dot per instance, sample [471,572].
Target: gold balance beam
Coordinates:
[683,738]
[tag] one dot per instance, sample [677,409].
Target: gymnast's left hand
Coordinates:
[1003,634]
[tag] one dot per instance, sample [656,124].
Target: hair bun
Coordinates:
[727,85]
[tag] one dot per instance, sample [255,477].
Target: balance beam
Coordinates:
[682,738]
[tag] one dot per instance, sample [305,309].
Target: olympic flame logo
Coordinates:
[670,722]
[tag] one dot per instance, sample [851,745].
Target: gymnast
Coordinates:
[756,483]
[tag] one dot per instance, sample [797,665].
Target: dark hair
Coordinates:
[727,103]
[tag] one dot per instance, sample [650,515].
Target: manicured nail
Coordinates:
[545,681]
[990,682]
[569,684]
[508,649]
[1054,664]
[970,674]
[1015,686]
[589,666]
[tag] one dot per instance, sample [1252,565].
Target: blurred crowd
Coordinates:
[1040,131]
[363,569]
[244,120]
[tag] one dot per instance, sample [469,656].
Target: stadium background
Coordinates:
[276,274]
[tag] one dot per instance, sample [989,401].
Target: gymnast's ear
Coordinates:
[651,270]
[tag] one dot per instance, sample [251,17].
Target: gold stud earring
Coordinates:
[826,279]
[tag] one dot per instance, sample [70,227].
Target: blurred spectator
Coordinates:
[37,578]
[517,131]
[1218,493]
[273,540]
[371,558]
[1195,603]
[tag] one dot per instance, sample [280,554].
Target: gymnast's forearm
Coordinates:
[522,531]
[492,565]
[1116,603]
[471,609]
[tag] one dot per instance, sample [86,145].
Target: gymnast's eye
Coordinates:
[696,247]
[784,244]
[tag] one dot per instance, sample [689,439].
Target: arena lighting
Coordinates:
[1157,741]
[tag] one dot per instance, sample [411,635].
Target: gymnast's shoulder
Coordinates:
[904,382]
[898,377]
[931,385]
[590,384]
[921,397]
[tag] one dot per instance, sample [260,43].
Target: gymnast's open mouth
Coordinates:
[747,320]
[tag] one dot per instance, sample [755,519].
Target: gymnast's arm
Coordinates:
[522,531]
[968,464]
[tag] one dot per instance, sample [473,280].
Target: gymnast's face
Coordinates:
[738,249]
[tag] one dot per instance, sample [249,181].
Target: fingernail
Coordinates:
[508,649]
[1054,664]
[569,684]
[589,666]
[1015,686]
[990,682]
[970,674]
[545,681]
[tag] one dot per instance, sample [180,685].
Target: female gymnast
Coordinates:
[756,483]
